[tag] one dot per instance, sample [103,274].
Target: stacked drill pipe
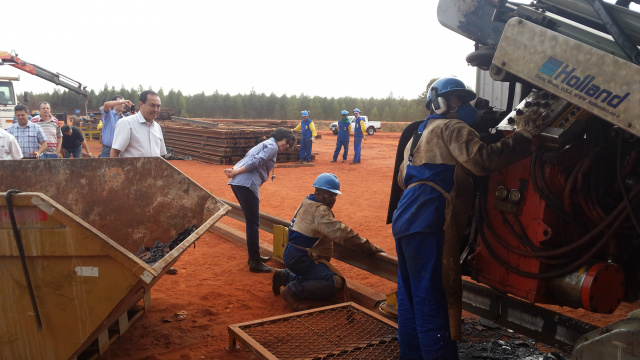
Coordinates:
[214,143]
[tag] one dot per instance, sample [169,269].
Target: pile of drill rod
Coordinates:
[213,143]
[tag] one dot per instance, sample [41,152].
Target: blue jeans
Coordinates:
[357,142]
[339,145]
[49,156]
[423,320]
[306,279]
[75,153]
[106,151]
[305,149]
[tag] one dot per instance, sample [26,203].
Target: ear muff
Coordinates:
[438,104]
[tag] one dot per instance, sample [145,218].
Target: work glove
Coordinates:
[532,121]
[313,140]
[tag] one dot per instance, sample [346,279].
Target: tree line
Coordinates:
[244,106]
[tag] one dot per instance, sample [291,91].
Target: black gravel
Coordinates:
[485,340]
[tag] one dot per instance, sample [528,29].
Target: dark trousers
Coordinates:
[250,205]
[423,320]
[305,278]
[339,145]
[305,149]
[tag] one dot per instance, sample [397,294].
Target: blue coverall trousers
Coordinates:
[305,149]
[357,142]
[306,279]
[339,145]
[423,320]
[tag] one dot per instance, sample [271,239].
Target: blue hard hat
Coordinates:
[77,111]
[344,112]
[91,114]
[356,110]
[36,112]
[305,113]
[328,182]
[450,86]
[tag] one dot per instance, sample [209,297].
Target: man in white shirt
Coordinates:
[9,148]
[139,135]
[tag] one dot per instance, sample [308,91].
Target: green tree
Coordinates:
[292,108]
[316,109]
[335,110]
[374,115]
[423,97]
[386,114]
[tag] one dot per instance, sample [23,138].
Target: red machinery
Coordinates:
[563,226]
[553,225]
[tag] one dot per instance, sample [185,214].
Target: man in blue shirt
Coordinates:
[111,114]
[30,137]
[343,138]
[246,178]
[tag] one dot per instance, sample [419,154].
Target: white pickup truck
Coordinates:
[371,126]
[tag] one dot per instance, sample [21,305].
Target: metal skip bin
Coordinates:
[80,223]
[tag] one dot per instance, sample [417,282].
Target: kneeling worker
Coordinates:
[309,275]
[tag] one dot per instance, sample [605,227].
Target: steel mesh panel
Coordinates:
[342,332]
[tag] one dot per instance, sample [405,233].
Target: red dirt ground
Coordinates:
[216,289]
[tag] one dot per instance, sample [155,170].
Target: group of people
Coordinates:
[44,137]
[435,164]
[40,137]
[436,161]
[309,133]
[314,228]
[359,133]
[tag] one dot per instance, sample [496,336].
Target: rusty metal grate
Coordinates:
[344,331]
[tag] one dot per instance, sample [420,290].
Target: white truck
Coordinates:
[7,101]
[371,126]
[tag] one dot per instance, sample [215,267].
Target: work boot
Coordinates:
[344,160]
[334,160]
[300,161]
[278,280]
[256,266]
[264,259]
[295,304]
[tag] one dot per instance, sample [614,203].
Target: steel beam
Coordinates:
[382,265]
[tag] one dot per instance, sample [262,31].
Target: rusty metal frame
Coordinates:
[238,335]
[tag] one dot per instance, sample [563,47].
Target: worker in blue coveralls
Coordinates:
[433,210]
[359,129]
[309,134]
[343,138]
[309,273]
